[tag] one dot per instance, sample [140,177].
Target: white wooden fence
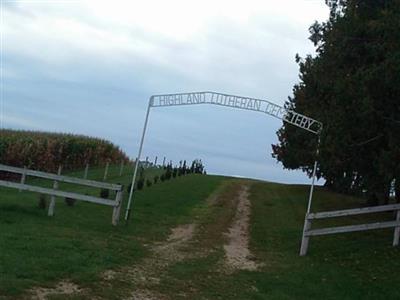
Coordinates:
[54,192]
[308,232]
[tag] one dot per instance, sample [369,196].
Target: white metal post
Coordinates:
[85,175]
[23,178]
[128,208]
[312,188]
[307,223]
[106,171]
[117,208]
[305,239]
[52,204]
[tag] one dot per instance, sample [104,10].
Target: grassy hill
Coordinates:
[79,244]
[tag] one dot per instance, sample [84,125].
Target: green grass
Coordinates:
[360,265]
[79,242]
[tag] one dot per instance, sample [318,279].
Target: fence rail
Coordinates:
[61,178]
[354,211]
[54,192]
[308,232]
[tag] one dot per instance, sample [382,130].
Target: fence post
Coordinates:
[305,239]
[106,171]
[121,169]
[53,198]
[163,163]
[23,178]
[396,231]
[117,208]
[155,161]
[85,175]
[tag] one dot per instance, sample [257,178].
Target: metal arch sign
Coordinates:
[240,102]
[247,103]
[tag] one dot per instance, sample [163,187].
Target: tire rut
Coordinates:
[228,229]
[237,252]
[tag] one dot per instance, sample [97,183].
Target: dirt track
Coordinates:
[144,279]
[237,250]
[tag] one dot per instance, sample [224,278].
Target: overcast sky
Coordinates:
[89,67]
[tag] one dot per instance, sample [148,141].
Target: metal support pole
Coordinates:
[305,239]
[128,208]
[307,223]
[312,188]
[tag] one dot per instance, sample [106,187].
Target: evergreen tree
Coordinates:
[352,85]
[168,172]
[184,168]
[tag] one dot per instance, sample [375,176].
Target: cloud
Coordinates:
[90,66]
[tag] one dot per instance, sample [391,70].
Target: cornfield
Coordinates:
[46,151]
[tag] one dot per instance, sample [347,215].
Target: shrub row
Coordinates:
[169,173]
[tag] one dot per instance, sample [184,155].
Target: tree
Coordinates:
[168,172]
[197,167]
[141,180]
[184,168]
[352,86]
